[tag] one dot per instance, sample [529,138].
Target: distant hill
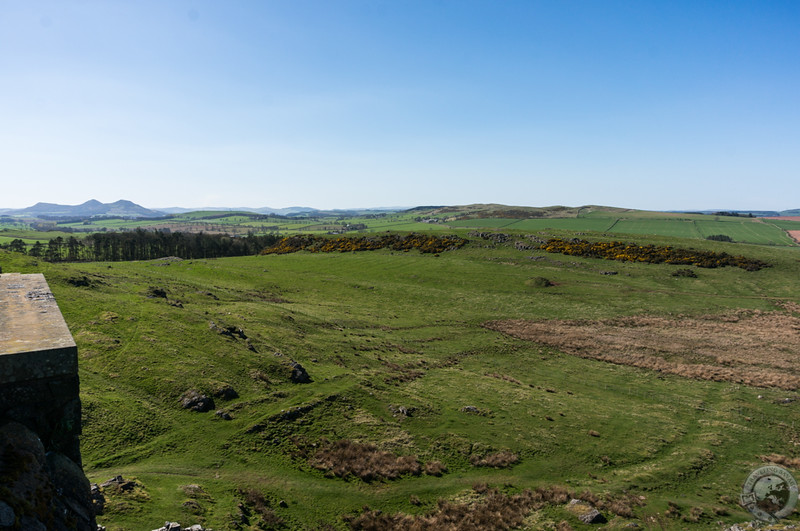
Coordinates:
[754,213]
[91,208]
[264,210]
[123,208]
[288,211]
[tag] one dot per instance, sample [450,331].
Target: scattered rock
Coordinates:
[195,401]
[155,292]
[115,481]
[118,483]
[98,500]
[228,331]
[472,410]
[225,392]
[593,516]
[585,512]
[283,504]
[224,415]
[399,410]
[208,294]
[299,374]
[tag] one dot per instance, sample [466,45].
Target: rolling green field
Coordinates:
[608,220]
[746,230]
[399,358]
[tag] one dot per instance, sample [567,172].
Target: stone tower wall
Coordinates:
[40,413]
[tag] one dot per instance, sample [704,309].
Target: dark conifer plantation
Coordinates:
[148,245]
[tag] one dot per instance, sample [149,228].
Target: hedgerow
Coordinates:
[653,254]
[320,244]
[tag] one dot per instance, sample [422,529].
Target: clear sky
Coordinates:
[340,104]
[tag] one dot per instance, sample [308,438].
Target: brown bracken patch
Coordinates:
[746,346]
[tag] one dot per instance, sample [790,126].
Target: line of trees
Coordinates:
[145,245]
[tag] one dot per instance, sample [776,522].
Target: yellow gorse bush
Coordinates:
[653,254]
[320,244]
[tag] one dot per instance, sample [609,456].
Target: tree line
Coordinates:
[143,245]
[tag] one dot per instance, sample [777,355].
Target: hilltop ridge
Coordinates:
[125,208]
[91,208]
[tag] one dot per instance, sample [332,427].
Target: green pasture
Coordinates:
[32,236]
[617,221]
[577,224]
[381,329]
[743,230]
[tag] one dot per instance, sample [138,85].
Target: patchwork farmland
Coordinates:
[393,388]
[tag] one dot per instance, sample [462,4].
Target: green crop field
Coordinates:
[784,224]
[744,230]
[401,363]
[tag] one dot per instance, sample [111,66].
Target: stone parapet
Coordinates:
[35,342]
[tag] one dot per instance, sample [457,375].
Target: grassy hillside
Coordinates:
[402,366]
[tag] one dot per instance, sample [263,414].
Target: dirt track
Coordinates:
[749,347]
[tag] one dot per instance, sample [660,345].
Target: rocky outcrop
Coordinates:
[175,526]
[40,490]
[196,401]
[299,373]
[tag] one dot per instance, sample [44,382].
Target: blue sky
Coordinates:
[340,104]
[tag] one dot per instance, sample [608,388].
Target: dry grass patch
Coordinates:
[789,462]
[748,347]
[365,461]
[492,510]
[496,460]
[488,508]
